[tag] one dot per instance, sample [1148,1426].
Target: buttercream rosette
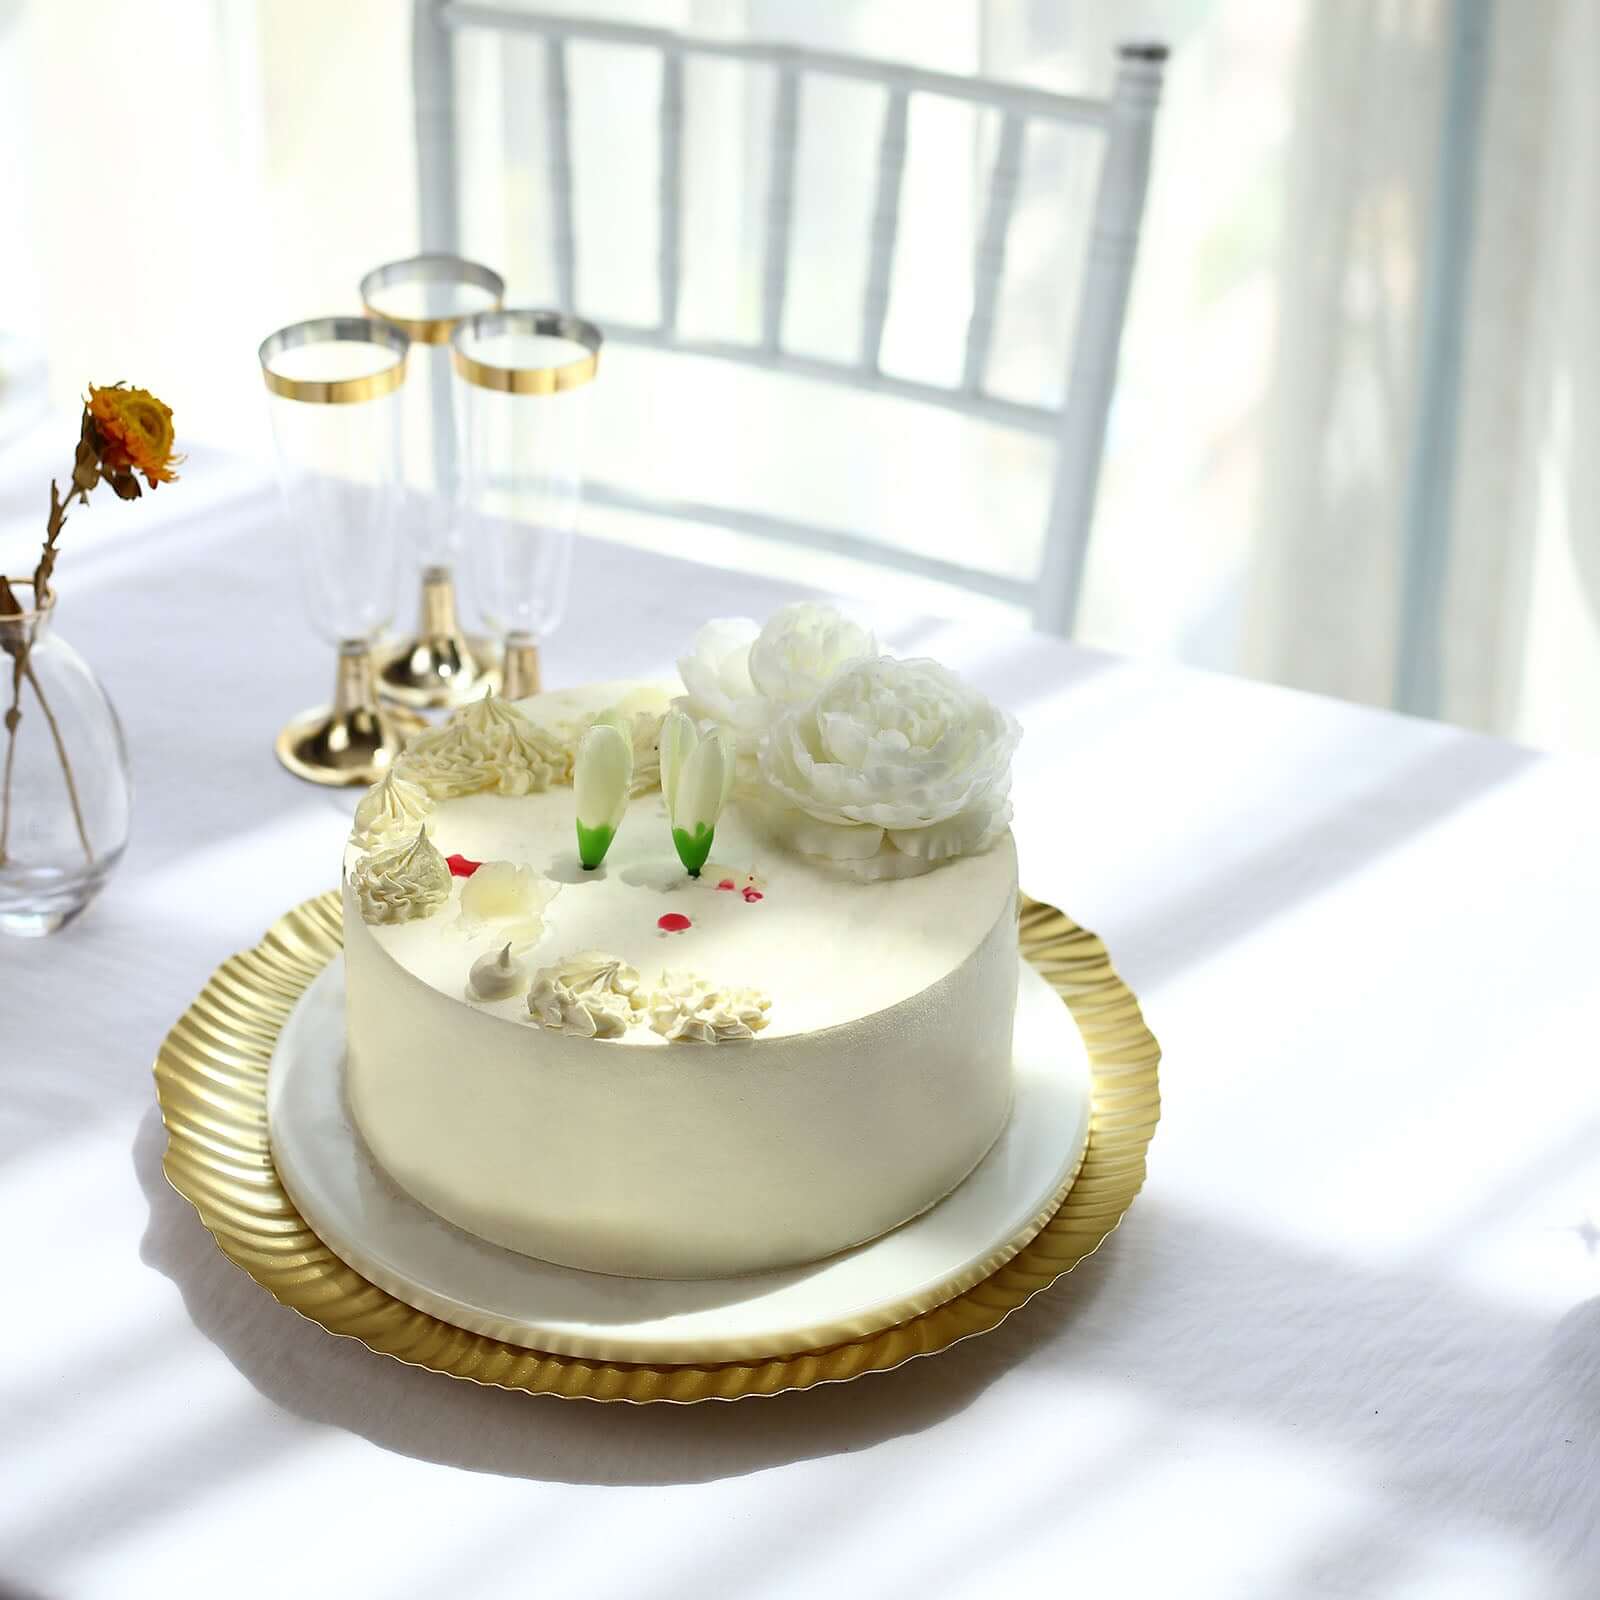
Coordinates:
[685,1009]
[488,745]
[890,769]
[393,808]
[401,882]
[591,995]
[637,717]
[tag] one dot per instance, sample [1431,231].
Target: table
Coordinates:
[1346,1343]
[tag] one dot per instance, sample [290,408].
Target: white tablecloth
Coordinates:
[1346,1343]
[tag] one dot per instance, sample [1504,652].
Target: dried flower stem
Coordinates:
[66,765]
[13,717]
[84,476]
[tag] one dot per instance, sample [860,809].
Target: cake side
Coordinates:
[691,1162]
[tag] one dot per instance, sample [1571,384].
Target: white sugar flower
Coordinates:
[716,675]
[507,898]
[800,649]
[742,677]
[892,768]
[601,779]
[696,778]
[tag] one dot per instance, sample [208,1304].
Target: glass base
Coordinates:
[346,749]
[38,901]
[440,665]
[438,672]
[34,924]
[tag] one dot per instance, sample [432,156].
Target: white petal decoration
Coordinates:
[716,676]
[507,898]
[794,829]
[679,736]
[696,803]
[602,780]
[800,649]
[902,748]
[967,833]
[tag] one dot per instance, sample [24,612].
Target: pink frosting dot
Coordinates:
[673,922]
[752,895]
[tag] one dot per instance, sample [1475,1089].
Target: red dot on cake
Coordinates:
[461,866]
[673,922]
[751,896]
[727,883]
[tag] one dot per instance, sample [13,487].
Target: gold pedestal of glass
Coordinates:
[521,676]
[440,665]
[355,740]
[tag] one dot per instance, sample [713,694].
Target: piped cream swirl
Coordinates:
[401,882]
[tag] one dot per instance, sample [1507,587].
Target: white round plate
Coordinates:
[365,1219]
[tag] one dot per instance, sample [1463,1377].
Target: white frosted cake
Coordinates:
[692,987]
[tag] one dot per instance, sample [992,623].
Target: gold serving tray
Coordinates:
[211,1081]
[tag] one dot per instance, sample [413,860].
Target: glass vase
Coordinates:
[64,785]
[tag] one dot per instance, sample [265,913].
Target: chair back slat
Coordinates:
[780,205]
[990,264]
[1124,125]
[1042,103]
[1102,307]
[885,227]
[558,118]
[671,187]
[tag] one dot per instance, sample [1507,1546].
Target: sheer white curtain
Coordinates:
[189,175]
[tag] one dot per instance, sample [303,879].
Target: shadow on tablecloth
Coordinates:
[417,1413]
[1447,1415]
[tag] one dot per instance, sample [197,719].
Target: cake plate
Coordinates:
[212,1082]
[369,1222]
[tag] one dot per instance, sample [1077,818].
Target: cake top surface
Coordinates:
[809,834]
[826,949]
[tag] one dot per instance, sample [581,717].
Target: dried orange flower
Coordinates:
[135,433]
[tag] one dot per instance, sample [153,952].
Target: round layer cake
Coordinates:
[637,1071]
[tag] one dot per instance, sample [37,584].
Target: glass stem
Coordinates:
[521,677]
[353,689]
[438,620]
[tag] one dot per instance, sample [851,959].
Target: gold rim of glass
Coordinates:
[335,330]
[429,269]
[527,380]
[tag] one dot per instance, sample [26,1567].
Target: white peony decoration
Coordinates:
[716,676]
[742,677]
[800,649]
[893,767]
